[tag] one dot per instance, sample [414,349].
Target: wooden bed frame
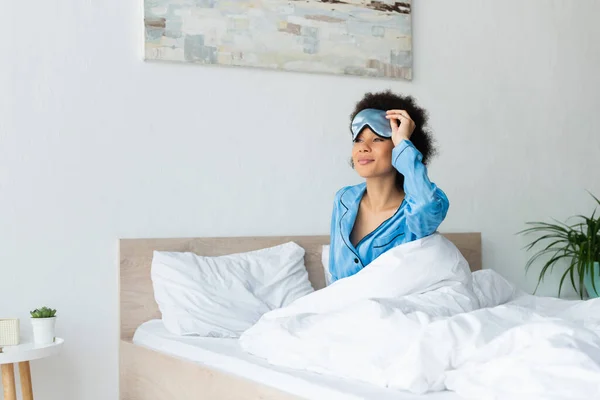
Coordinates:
[149,375]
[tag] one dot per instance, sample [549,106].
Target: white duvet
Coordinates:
[417,319]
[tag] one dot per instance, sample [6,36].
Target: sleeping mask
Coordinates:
[374,119]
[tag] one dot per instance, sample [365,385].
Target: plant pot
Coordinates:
[587,281]
[43,330]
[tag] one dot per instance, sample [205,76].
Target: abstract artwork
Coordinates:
[347,37]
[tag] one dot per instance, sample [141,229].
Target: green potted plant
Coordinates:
[578,244]
[43,321]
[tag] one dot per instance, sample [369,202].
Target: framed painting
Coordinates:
[344,37]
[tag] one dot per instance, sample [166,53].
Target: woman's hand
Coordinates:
[403,130]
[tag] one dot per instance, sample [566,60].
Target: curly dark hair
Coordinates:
[421,137]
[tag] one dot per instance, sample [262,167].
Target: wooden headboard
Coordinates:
[137,296]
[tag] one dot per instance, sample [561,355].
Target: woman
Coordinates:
[397,203]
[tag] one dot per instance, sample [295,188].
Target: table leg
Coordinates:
[8,381]
[25,373]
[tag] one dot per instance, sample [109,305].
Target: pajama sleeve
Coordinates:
[426,204]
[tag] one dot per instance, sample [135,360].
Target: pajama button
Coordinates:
[356,260]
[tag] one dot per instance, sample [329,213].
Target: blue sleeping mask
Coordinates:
[374,119]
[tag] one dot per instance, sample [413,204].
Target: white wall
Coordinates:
[96,145]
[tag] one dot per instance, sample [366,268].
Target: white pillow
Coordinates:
[225,295]
[325,263]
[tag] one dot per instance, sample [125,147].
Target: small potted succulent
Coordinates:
[43,321]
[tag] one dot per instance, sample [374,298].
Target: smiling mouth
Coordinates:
[365,162]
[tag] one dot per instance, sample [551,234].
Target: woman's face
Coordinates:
[372,154]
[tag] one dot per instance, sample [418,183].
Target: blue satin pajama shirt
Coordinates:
[422,211]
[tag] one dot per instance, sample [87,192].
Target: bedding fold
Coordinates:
[416,319]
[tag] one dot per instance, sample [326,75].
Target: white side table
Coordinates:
[22,354]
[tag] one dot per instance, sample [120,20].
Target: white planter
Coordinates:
[43,330]
[9,332]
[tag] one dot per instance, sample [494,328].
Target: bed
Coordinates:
[155,364]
